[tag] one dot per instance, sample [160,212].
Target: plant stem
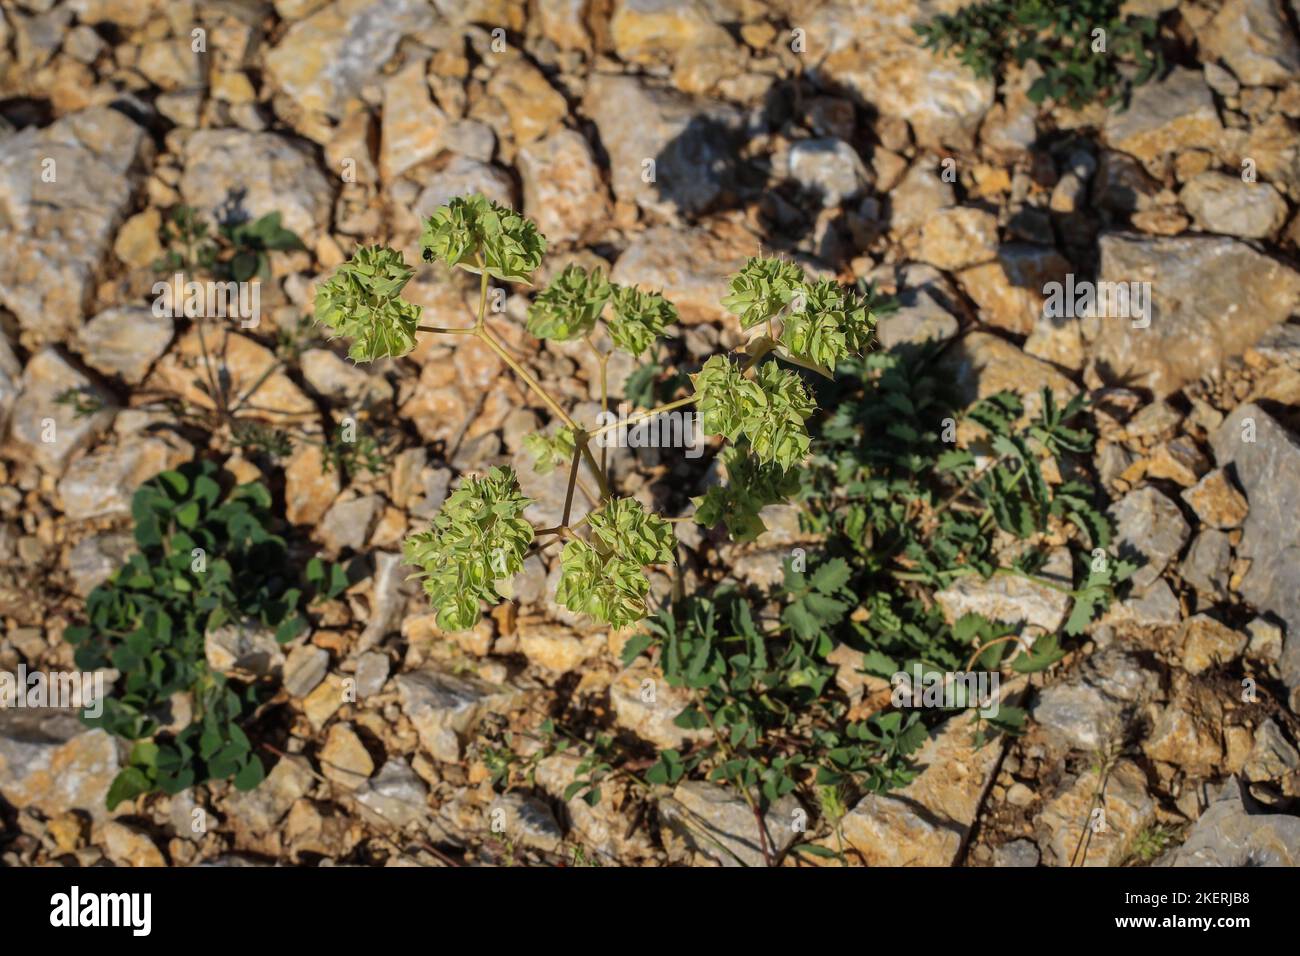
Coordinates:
[639,416]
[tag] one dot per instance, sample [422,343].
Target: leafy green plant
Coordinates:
[762,408]
[206,559]
[1081,46]
[237,252]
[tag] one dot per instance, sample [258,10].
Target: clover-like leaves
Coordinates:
[820,323]
[362,301]
[769,410]
[478,538]
[570,306]
[606,579]
[479,235]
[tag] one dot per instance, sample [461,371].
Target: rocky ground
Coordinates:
[669,140]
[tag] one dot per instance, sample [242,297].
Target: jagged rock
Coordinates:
[533,106]
[389,588]
[1265,460]
[958,237]
[926,823]
[343,381]
[526,820]
[344,758]
[444,708]
[305,668]
[256,174]
[125,341]
[720,824]
[128,845]
[691,143]
[347,524]
[918,195]
[1188,733]
[1148,528]
[1206,643]
[55,765]
[1207,563]
[258,811]
[828,169]
[601,828]
[557,649]
[982,364]
[45,430]
[323,61]
[413,127]
[1016,853]
[309,487]
[1013,599]
[94,559]
[249,647]
[874,53]
[1273,756]
[371,674]
[1219,202]
[1233,831]
[1197,320]
[1253,39]
[563,190]
[644,704]
[103,483]
[1125,811]
[691,267]
[1009,290]
[11,373]
[65,189]
[396,793]
[1095,705]
[1163,117]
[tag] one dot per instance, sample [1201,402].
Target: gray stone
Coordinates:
[1149,528]
[395,793]
[260,810]
[1173,113]
[11,373]
[829,169]
[462,176]
[1016,853]
[249,647]
[444,708]
[1234,832]
[49,432]
[1157,606]
[691,142]
[919,194]
[720,824]
[1219,202]
[526,820]
[47,764]
[1253,39]
[921,319]
[103,483]
[1013,600]
[55,235]
[1198,314]
[125,341]
[875,53]
[645,704]
[371,673]
[1207,563]
[256,174]
[1096,704]
[343,381]
[94,559]
[325,60]
[1273,756]
[389,588]
[1266,461]
[305,668]
[348,522]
